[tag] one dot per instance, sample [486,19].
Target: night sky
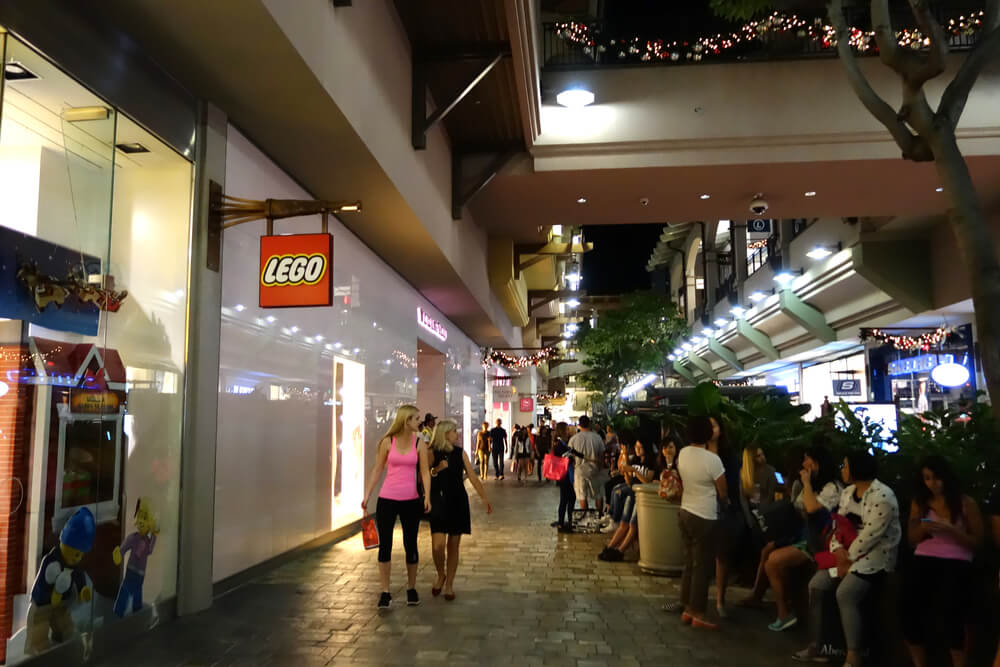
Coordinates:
[617,264]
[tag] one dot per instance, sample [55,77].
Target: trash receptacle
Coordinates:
[660,549]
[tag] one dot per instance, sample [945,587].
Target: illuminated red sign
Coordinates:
[296,270]
[432,325]
[527,404]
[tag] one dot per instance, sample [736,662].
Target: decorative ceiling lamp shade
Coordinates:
[950,374]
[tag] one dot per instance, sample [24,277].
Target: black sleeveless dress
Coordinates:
[449,500]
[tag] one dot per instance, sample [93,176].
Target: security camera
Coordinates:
[758,205]
[644,201]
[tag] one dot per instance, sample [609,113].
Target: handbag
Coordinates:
[777,522]
[369,532]
[555,467]
[671,487]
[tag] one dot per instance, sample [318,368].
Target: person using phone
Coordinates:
[946,529]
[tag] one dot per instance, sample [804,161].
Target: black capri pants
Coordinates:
[409,513]
[935,600]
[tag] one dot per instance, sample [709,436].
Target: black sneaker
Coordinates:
[555,524]
[412,599]
[614,556]
[566,528]
[385,601]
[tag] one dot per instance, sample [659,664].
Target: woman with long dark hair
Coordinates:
[817,490]
[637,467]
[567,496]
[946,528]
[402,455]
[450,518]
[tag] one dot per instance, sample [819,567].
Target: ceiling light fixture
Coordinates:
[575,98]
[573,303]
[581,200]
[134,147]
[708,331]
[785,278]
[688,346]
[823,251]
[938,189]
[738,310]
[15,71]
[759,295]
[811,193]
[706,196]
[721,322]
[79,114]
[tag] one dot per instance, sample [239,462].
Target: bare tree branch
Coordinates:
[912,146]
[934,63]
[957,93]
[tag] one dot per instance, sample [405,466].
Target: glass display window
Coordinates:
[94,240]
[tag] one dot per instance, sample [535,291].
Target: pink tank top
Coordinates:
[943,545]
[401,474]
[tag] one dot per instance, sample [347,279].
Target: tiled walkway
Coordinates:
[525,596]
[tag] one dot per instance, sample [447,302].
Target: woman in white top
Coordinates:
[704,482]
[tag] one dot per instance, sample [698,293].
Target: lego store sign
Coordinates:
[296,270]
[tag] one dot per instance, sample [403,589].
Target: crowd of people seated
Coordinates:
[835,519]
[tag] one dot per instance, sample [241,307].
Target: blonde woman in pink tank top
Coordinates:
[402,455]
[946,530]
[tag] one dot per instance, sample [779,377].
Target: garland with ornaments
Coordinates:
[923,342]
[501,358]
[816,31]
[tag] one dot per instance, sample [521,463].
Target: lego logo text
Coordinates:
[289,270]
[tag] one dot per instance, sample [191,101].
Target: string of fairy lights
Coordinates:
[814,30]
[493,357]
[923,342]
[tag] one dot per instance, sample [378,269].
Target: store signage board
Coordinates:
[503,394]
[527,405]
[925,363]
[432,325]
[296,271]
[758,226]
[846,387]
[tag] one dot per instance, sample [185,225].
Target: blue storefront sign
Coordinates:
[925,363]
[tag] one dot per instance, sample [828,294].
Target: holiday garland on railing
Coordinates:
[815,30]
[501,358]
[923,342]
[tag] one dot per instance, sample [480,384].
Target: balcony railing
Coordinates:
[592,45]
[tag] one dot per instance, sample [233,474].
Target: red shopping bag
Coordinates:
[369,532]
[555,467]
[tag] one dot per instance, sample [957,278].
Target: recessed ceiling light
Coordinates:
[15,71]
[575,98]
[706,196]
[738,310]
[581,200]
[758,296]
[938,189]
[240,308]
[819,252]
[811,193]
[721,322]
[134,147]
[784,278]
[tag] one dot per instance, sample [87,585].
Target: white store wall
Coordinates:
[274,487]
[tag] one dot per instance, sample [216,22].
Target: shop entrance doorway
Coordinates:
[431,384]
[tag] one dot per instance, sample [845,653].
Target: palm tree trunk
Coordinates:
[978,248]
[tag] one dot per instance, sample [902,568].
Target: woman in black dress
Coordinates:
[450,504]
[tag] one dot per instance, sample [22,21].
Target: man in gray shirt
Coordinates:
[589,448]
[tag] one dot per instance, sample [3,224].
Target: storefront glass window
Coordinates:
[93,306]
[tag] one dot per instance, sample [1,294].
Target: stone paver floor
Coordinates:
[526,595]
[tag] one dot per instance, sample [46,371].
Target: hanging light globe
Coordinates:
[950,374]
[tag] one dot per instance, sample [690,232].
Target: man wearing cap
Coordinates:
[428,428]
[58,578]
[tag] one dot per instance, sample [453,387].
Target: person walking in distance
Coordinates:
[543,445]
[450,514]
[483,449]
[521,446]
[402,455]
[498,442]
[704,481]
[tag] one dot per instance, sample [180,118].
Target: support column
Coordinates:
[806,316]
[758,339]
[702,365]
[201,383]
[739,242]
[684,372]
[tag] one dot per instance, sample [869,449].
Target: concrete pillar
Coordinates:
[201,386]
[739,241]
[785,242]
